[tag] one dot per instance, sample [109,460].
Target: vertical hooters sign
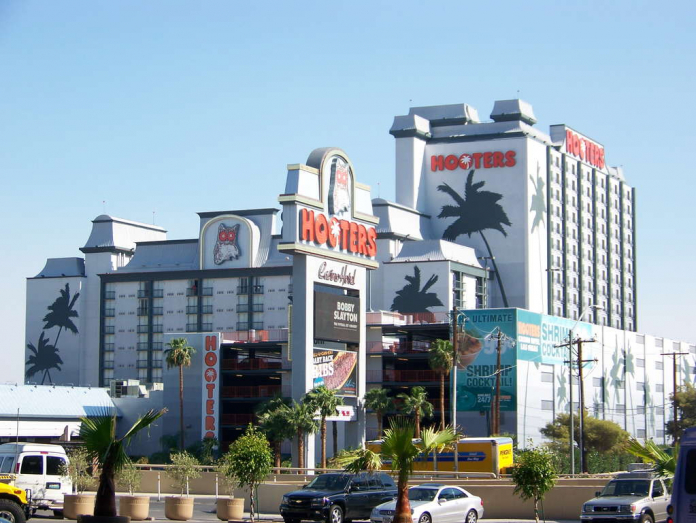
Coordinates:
[211,376]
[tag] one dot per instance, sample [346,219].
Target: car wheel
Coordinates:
[471,517]
[291,520]
[425,518]
[646,518]
[11,511]
[335,514]
[58,514]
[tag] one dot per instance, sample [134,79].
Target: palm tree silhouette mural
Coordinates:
[538,206]
[414,299]
[44,358]
[477,211]
[61,314]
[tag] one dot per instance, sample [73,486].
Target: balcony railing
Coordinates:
[143,345]
[394,318]
[109,295]
[108,365]
[109,313]
[142,364]
[207,291]
[401,376]
[142,329]
[157,311]
[109,347]
[142,311]
[109,329]
[195,309]
[193,327]
[157,345]
[159,329]
[246,336]
[237,419]
[251,364]
[260,391]
[404,347]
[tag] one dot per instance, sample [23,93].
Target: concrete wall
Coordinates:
[563,502]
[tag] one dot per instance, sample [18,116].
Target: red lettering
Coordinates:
[451,162]
[211,389]
[307,226]
[371,242]
[321,229]
[209,435]
[477,160]
[333,239]
[210,407]
[210,375]
[209,423]
[569,141]
[362,238]
[510,160]
[437,163]
[498,159]
[601,159]
[211,343]
[487,160]
[211,359]
[345,228]
[353,244]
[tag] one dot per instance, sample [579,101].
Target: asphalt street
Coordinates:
[204,512]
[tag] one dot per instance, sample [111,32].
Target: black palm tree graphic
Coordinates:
[538,200]
[477,211]
[61,313]
[414,299]
[43,359]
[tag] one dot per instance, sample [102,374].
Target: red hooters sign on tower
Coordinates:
[211,393]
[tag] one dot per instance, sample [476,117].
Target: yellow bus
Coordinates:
[492,455]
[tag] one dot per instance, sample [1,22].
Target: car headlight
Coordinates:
[320,502]
[587,508]
[285,499]
[625,509]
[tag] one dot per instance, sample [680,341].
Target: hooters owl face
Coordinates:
[226,245]
[339,188]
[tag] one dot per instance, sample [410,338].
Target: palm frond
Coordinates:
[358,460]
[145,420]
[452,193]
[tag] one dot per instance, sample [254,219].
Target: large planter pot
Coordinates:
[135,507]
[78,505]
[178,508]
[230,509]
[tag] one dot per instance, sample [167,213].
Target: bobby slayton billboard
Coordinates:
[336,317]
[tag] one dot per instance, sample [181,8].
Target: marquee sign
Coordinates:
[477,160]
[325,202]
[335,370]
[336,317]
[585,149]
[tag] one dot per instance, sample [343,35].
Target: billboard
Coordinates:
[477,360]
[336,370]
[336,317]
[542,337]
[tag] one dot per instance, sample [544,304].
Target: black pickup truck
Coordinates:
[338,497]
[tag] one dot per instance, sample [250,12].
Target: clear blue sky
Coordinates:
[175,107]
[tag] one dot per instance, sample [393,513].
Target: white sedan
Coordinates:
[434,503]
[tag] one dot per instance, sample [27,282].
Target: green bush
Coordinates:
[184,468]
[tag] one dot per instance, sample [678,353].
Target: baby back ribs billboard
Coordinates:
[336,317]
[336,370]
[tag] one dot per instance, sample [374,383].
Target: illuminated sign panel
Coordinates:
[336,318]
[211,376]
[336,370]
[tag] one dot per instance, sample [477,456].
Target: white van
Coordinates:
[36,468]
[682,509]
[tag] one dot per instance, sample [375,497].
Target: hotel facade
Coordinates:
[526,234]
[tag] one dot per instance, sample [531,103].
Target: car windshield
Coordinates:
[627,487]
[421,494]
[330,482]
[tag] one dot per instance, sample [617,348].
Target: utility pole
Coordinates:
[583,455]
[674,387]
[496,417]
[453,382]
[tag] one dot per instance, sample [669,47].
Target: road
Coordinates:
[204,512]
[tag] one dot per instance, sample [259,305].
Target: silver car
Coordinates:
[434,503]
[634,496]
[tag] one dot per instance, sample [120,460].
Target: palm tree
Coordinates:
[400,448]
[301,420]
[665,464]
[44,358]
[325,401]
[179,354]
[414,299]
[273,420]
[379,401]
[62,313]
[478,211]
[417,404]
[99,436]
[441,360]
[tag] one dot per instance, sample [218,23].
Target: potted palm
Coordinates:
[109,452]
[77,471]
[229,508]
[184,468]
[135,507]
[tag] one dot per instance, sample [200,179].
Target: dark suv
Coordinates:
[338,497]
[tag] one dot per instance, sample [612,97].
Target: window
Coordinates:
[32,465]
[657,489]
[596,382]
[547,377]
[640,363]
[53,465]
[6,466]
[659,387]
[546,404]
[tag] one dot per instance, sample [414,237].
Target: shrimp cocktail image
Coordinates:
[469,346]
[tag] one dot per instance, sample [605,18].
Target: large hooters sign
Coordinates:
[343,235]
[586,150]
[211,376]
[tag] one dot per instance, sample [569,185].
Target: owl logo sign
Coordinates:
[226,245]
[339,188]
